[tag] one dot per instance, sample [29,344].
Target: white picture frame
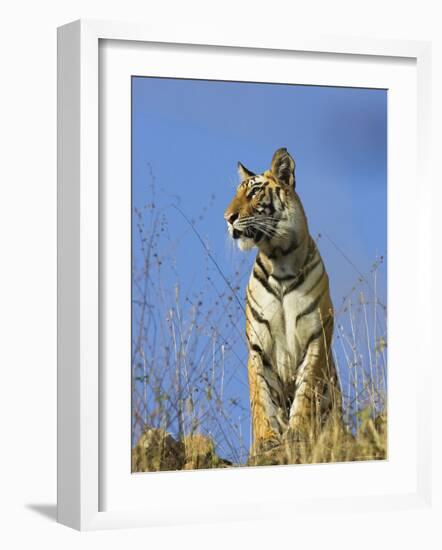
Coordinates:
[79,274]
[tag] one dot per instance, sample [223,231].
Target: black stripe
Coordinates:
[301,278]
[315,335]
[316,283]
[265,284]
[278,251]
[261,184]
[271,199]
[257,236]
[265,360]
[249,294]
[261,266]
[291,248]
[259,318]
[311,307]
[278,194]
[284,277]
[256,348]
[273,392]
[270,206]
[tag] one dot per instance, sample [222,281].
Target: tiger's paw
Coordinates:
[297,433]
[268,452]
[297,443]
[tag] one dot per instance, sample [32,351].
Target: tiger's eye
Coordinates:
[253,193]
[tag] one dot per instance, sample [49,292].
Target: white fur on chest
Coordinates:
[285,346]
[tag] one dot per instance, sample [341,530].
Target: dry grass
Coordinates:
[334,444]
[157,450]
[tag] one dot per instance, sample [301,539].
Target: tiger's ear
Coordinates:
[283,167]
[243,172]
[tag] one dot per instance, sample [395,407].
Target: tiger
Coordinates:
[292,377]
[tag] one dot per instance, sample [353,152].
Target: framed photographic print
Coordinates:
[234,243]
[228,377]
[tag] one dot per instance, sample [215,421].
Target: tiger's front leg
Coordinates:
[269,419]
[306,410]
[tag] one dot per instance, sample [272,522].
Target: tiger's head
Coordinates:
[266,211]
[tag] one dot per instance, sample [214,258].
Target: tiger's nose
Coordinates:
[231,217]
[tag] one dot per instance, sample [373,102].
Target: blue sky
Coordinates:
[189,135]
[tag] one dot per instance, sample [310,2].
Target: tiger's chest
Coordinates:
[274,324]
